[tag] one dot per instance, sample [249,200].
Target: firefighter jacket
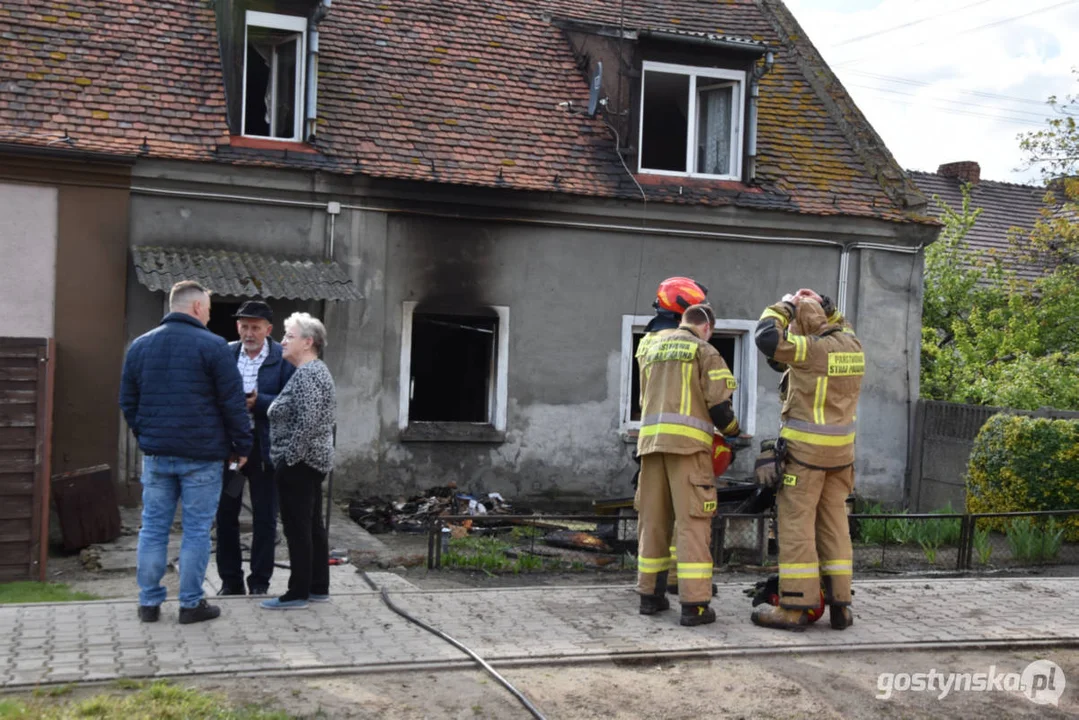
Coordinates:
[685,393]
[826,368]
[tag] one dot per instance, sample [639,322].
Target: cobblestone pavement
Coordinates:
[74,642]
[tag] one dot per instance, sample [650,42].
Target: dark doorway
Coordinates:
[221,321]
[453,365]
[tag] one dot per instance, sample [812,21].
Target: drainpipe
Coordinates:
[311,112]
[844,272]
[754,98]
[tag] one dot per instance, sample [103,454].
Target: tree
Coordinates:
[989,338]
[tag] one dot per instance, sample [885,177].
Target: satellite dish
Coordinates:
[593,94]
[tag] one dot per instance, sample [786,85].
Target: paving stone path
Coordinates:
[73,642]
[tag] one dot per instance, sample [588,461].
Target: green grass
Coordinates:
[930,535]
[1027,541]
[489,555]
[159,699]
[982,546]
[35,592]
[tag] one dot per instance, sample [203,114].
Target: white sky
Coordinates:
[944,89]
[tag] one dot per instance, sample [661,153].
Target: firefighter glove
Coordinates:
[766,468]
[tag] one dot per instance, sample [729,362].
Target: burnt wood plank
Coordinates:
[18,416]
[17,461]
[17,438]
[16,485]
[86,504]
[15,553]
[15,530]
[15,507]
[10,372]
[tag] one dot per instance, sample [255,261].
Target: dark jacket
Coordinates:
[182,395]
[273,375]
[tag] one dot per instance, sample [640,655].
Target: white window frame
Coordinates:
[289,23]
[738,109]
[745,371]
[497,393]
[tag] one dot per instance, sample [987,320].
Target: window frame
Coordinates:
[738,77]
[288,23]
[745,371]
[498,384]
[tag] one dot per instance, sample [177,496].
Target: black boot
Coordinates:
[657,601]
[199,613]
[697,614]
[840,617]
[149,613]
[232,589]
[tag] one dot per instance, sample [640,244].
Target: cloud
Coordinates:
[956,83]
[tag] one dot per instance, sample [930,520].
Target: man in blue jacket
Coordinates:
[183,398]
[264,372]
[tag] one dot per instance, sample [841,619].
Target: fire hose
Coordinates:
[435,631]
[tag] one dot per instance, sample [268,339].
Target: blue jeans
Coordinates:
[165,480]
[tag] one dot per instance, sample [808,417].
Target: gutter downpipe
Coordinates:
[311,110]
[751,121]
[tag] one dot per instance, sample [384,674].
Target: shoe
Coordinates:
[840,616]
[279,604]
[232,590]
[697,614]
[149,613]
[773,616]
[652,604]
[260,590]
[319,598]
[201,612]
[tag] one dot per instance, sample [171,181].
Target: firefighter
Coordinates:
[685,394]
[816,448]
[673,296]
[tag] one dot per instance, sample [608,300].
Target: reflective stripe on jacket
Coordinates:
[682,377]
[825,380]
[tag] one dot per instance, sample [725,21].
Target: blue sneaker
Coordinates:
[279,604]
[318,598]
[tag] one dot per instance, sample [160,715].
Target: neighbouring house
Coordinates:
[480,198]
[1009,212]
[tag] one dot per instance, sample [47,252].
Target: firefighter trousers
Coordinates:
[814,536]
[676,487]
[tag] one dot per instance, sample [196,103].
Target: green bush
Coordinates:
[1020,464]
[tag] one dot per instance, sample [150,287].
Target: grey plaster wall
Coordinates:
[567,290]
[28,232]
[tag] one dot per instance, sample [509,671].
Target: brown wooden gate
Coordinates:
[26,372]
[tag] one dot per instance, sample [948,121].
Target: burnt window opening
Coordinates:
[691,121]
[726,344]
[453,366]
[274,56]
[222,321]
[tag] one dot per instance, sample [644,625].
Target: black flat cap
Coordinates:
[255,309]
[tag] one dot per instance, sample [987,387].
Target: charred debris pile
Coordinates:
[468,520]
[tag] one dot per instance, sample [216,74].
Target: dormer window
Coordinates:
[691,121]
[273,93]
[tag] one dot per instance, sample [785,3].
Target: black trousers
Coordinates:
[260,481]
[299,487]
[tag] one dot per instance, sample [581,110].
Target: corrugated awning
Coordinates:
[243,274]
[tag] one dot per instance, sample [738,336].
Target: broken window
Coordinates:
[453,368]
[274,54]
[691,121]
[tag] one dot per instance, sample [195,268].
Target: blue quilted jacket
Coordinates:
[182,394]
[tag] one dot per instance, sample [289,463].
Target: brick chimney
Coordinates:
[966,171]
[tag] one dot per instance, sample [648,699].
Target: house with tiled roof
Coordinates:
[479,198]
[1007,215]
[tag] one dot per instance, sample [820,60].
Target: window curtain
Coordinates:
[714,130]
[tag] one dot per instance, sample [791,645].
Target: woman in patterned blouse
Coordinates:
[301,449]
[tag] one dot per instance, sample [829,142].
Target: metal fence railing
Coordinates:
[882,541]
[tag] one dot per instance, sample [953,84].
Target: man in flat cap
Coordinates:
[264,373]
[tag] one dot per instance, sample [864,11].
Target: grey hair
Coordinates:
[309,327]
[184,293]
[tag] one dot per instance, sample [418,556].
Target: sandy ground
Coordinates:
[792,686]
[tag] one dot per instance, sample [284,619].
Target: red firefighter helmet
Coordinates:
[721,455]
[678,293]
